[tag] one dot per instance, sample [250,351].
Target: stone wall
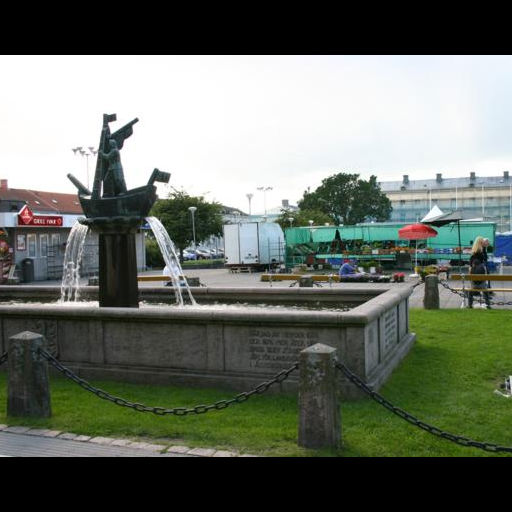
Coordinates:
[232,349]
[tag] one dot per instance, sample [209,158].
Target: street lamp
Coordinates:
[192,210]
[264,190]
[249,196]
[290,220]
[92,152]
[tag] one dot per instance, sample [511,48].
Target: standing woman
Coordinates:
[477,264]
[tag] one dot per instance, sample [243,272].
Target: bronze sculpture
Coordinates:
[116,213]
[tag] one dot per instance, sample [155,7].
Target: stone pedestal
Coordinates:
[118,285]
[28,383]
[319,410]
[431,297]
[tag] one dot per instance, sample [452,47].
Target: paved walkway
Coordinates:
[223,278]
[16,441]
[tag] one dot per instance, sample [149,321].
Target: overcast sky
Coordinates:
[225,125]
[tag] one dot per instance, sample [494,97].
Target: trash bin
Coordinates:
[27,270]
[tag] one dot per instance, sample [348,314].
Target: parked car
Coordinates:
[188,255]
[203,254]
[217,253]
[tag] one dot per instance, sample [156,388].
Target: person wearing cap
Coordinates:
[349,270]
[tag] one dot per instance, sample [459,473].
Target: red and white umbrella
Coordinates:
[416,232]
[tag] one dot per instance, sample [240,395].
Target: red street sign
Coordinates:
[27,218]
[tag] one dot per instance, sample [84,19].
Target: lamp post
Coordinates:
[290,220]
[192,210]
[249,196]
[264,190]
[92,152]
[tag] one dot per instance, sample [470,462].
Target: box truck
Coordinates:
[256,245]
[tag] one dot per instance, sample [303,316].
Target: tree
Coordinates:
[302,218]
[348,199]
[175,216]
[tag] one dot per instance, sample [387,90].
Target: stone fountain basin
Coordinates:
[222,348]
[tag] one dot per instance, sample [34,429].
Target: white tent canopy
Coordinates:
[432,214]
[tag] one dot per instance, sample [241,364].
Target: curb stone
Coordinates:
[146,446]
[17,430]
[69,436]
[224,453]
[43,432]
[51,433]
[102,440]
[202,452]
[83,439]
[178,449]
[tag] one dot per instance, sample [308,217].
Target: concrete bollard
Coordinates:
[319,410]
[28,382]
[431,297]
[306,282]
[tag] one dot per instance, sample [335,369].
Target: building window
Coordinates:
[55,239]
[32,248]
[43,245]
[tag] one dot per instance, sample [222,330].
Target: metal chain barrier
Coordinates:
[463,295]
[445,284]
[3,358]
[464,441]
[177,411]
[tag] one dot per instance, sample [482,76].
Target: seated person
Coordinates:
[350,270]
[173,272]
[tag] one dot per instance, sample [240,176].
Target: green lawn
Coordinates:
[447,380]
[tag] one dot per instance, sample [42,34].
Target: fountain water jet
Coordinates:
[171,259]
[70,287]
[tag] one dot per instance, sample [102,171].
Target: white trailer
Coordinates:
[253,244]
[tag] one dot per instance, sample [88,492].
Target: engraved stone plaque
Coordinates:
[390,332]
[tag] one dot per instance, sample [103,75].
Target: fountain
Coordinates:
[196,345]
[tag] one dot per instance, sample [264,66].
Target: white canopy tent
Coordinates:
[432,214]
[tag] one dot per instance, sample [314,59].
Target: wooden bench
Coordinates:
[470,278]
[333,278]
[154,278]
